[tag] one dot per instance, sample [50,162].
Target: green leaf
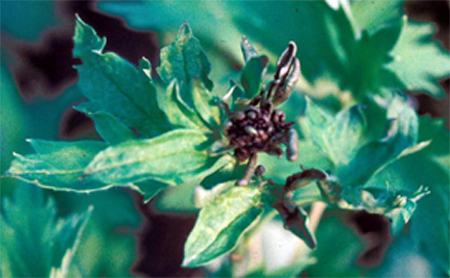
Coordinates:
[351,139]
[400,140]
[185,63]
[108,127]
[179,114]
[253,75]
[116,85]
[185,60]
[174,158]
[331,59]
[35,242]
[419,61]
[206,105]
[177,199]
[149,189]
[229,173]
[371,15]
[430,167]
[309,157]
[333,234]
[204,196]
[220,225]
[320,55]
[371,54]
[57,165]
[331,134]
[86,39]
[398,206]
[61,165]
[42,117]
[291,270]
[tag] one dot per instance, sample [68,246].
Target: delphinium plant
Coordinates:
[261,150]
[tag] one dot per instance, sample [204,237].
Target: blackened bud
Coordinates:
[260,170]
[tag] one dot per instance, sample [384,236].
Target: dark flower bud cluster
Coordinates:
[257,129]
[260,127]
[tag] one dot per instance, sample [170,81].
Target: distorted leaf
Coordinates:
[174,158]
[206,105]
[185,60]
[57,165]
[177,111]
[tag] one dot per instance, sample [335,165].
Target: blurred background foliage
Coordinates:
[122,239]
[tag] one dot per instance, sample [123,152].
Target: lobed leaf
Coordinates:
[419,61]
[372,52]
[116,85]
[185,63]
[355,39]
[220,225]
[351,139]
[320,55]
[400,140]
[35,242]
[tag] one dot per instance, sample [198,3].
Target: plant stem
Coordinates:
[317,210]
